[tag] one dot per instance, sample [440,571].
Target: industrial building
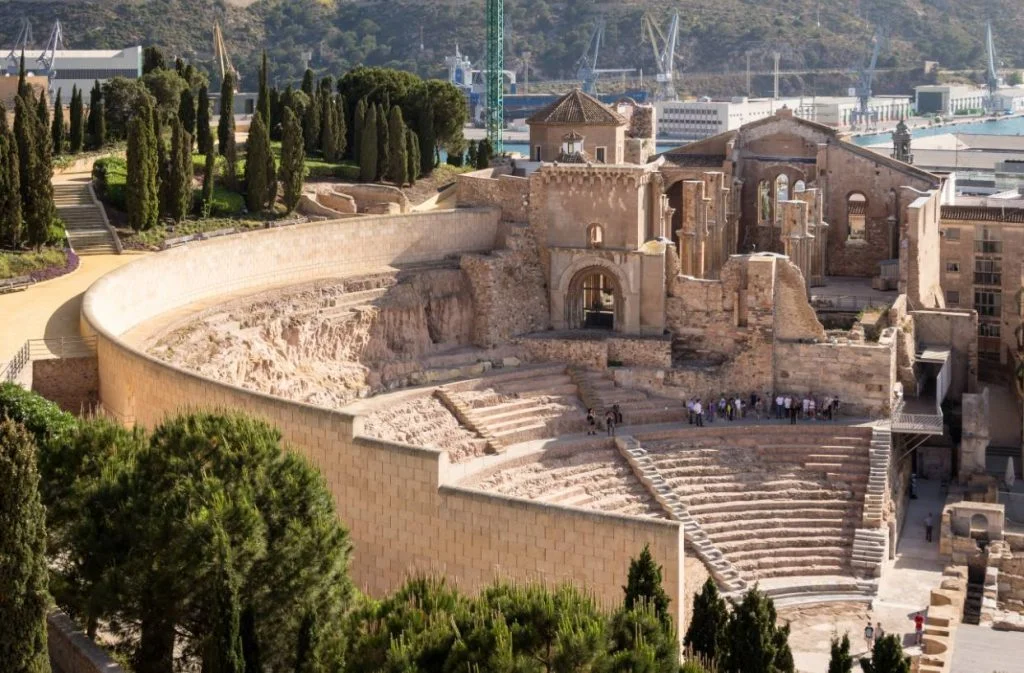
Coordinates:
[948,99]
[78,67]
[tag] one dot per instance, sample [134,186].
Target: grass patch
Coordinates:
[14,264]
[155,237]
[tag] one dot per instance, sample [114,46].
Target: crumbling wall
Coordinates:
[589,354]
[509,293]
[859,374]
[73,383]
[496,188]
[795,319]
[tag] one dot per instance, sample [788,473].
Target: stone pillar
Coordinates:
[817,227]
[796,240]
[717,195]
[693,235]
[974,440]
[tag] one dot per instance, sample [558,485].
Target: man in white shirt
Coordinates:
[698,411]
[778,407]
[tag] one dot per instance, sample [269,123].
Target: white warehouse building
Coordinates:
[81,68]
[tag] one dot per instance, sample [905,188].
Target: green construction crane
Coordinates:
[495,71]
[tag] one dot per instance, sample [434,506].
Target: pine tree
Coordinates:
[307,655]
[179,187]
[368,147]
[250,641]
[97,119]
[224,648]
[412,155]
[311,123]
[258,182]
[358,121]
[263,98]
[428,140]
[142,199]
[226,126]
[644,585]
[886,657]
[204,137]
[76,136]
[399,160]
[23,571]
[756,644]
[187,114]
[706,635]
[383,144]
[840,660]
[57,128]
[10,186]
[208,181]
[293,160]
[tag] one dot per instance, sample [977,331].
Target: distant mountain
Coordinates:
[715,35]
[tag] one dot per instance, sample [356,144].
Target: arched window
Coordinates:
[595,236]
[781,194]
[800,186]
[856,217]
[765,212]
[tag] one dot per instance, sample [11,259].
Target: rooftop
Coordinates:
[578,109]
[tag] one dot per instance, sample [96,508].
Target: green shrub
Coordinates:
[13,264]
[225,202]
[110,177]
[41,417]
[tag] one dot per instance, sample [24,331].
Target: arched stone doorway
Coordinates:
[594,300]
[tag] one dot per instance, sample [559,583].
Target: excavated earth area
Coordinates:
[331,341]
[424,421]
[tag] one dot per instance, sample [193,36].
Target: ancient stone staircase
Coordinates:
[878,478]
[723,572]
[84,220]
[599,392]
[508,408]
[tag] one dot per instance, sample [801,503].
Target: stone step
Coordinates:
[760,507]
[834,519]
[742,535]
[697,501]
[534,384]
[797,600]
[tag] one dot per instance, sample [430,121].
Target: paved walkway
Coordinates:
[979,649]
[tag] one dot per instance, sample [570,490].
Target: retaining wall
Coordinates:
[389,495]
[71,651]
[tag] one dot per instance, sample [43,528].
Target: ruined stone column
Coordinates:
[797,242]
[717,196]
[975,437]
[817,227]
[693,235]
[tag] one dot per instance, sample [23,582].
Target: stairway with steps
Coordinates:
[599,392]
[587,473]
[779,503]
[511,407]
[84,220]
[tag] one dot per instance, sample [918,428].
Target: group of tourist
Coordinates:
[612,419]
[780,407]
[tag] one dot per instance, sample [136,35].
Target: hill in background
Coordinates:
[716,35]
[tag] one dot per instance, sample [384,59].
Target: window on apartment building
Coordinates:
[988,272]
[988,241]
[952,267]
[988,303]
[952,234]
[988,329]
[856,217]
[952,298]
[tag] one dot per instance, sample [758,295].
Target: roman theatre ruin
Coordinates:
[437,366]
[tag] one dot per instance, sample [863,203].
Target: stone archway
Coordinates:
[594,300]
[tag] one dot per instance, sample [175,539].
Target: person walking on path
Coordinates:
[919,626]
[609,420]
[869,636]
[928,525]
[698,411]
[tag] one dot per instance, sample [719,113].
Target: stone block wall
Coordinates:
[861,375]
[495,187]
[641,352]
[71,651]
[73,383]
[589,354]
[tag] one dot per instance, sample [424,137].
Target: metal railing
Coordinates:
[47,349]
[848,303]
[924,424]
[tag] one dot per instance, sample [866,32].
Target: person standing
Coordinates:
[618,414]
[609,419]
[919,626]
[698,411]
[928,525]
[690,404]
[869,635]
[778,407]
[591,422]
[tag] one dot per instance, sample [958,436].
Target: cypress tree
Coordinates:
[10,186]
[412,155]
[97,119]
[341,130]
[643,585]
[23,88]
[399,158]
[179,187]
[57,129]
[187,114]
[25,138]
[311,123]
[250,641]
[428,139]
[231,163]
[226,126]
[756,644]
[293,160]
[368,147]
[43,113]
[263,98]
[23,571]
[383,143]
[204,137]
[163,166]
[257,180]
[706,635]
[307,82]
[840,660]
[358,121]
[35,169]
[141,190]
[275,114]
[208,178]
[483,154]
[329,129]
[77,135]
[471,153]
[42,180]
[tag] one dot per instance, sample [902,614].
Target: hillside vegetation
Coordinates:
[716,35]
